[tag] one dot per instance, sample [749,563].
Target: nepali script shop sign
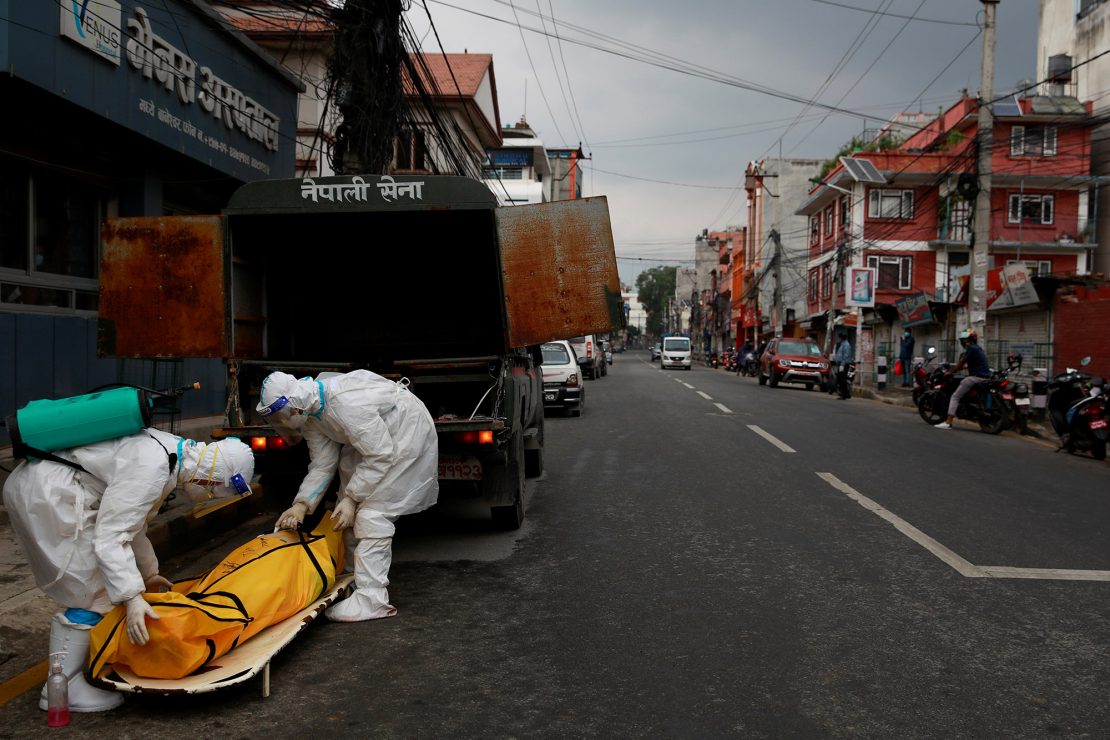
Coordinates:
[358,190]
[914,309]
[156,59]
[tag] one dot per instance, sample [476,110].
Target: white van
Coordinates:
[676,352]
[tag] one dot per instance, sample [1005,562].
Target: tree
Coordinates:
[656,290]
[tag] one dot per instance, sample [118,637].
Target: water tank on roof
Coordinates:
[1059,68]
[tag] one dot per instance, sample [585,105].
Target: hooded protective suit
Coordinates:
[383,441]
[84,533]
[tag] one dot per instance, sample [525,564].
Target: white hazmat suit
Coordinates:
[383,441]
[84,532]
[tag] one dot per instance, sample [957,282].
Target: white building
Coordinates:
[518,171]
[1071,32]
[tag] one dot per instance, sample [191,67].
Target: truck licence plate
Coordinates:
[459,467]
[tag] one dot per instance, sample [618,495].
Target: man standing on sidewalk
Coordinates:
[843,356]
[905,356]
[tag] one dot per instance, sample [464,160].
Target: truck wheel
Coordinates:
[510,480]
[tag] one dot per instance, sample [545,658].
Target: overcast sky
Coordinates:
[643,121]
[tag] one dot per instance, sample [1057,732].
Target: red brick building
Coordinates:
[904,212]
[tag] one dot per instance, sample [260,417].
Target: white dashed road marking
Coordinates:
[705,395]
[687,385]
[723,408]
[771,438]
[959,564]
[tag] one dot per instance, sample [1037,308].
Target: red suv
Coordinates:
[788,360]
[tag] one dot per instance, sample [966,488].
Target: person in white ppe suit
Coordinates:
[383,441]
[84,532]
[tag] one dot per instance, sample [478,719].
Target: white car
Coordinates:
[676,352]
[562,378]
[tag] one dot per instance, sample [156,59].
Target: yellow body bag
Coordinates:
[264,581]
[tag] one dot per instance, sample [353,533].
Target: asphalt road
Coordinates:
[844,570]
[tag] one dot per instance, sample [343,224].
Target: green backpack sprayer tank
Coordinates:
[47,426]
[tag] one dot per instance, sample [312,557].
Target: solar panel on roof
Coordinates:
[862,170]
[852,167]
[1007,107]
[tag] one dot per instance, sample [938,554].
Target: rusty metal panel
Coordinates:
[163,287]
[559,270]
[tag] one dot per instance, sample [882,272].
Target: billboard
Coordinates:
[861,287]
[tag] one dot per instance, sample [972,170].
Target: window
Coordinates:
[895,273]
[1033,141]
[1031,209]
[814,229]
[829,221]
[813,286]
[826,281]
[49,241]
[1034,267]
[503,173]
[15,188]
[845,215]
[555,354]
[890,204]
[411,152]
[676,344]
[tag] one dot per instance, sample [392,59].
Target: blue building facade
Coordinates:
[117,108]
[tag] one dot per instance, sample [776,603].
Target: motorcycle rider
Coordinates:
[745,357]
[978,369]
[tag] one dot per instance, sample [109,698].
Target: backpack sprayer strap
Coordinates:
[23,450]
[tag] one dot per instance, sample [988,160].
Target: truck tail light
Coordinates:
[480,437]
[589,349]
[262,444]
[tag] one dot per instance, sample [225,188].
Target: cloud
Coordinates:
[789,45]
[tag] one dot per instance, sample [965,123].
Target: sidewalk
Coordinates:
[25,612]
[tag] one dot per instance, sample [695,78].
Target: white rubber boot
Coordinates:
[73,640]
[370,599]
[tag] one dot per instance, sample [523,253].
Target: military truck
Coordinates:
[424,279]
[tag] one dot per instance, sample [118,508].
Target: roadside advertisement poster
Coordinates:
[913,310]
[1011,286]
[861,282]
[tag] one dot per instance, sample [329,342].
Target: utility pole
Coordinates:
[837,279]
[980,253]
[775,237]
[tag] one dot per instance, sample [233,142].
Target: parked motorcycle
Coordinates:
[1077,410]
[982,404]
[1015,395]
[921,375]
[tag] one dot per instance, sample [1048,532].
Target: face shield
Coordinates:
[284,418]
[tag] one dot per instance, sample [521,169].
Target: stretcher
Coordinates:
[237,666]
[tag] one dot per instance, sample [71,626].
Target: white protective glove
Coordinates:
[344,514]
[157,584]
[293,517]
[137,612]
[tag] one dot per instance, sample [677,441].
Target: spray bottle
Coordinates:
[57,693]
